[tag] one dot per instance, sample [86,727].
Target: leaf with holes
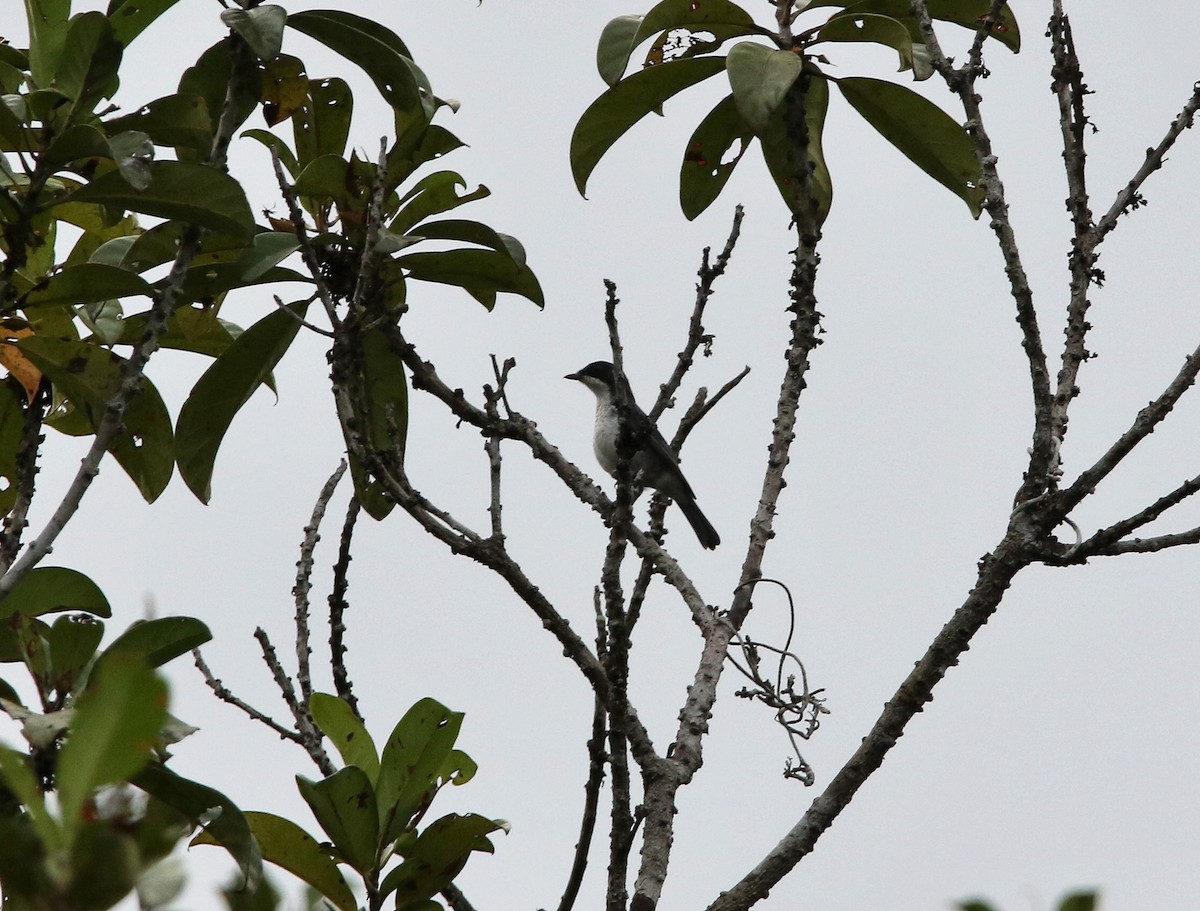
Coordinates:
[707,164]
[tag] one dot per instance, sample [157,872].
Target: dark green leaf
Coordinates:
[209,78]
[322,125]
[611,115]
[412,759]
[376,49]
[174,120]
[47,22]
[73,641]
[475,233]
[481,273]
[159,640]
[261,27]
[133,151]
[103,869]
[615,47]
[926,134]
[760,78]
[90,376]
[288,846]
[344,806]
[345,730]
[12,423]
[91,56]
[706,162]
[87,282]
[386,388]
[223,821]
[793,176]
[255,264]
[117,721]
[975,906]
[438,856]
[50,589]
[872,28]
[215,336]
[1079,901]
[15,771]
[224,388]
[967,13]
[131,17]
[432,195]
[286,156]
[191,193]
[405,157]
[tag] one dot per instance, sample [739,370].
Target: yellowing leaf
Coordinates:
[19,366]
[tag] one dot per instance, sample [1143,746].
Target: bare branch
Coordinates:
[1148,545]
[591,803]
[338,607]
[226,695]
[308,733]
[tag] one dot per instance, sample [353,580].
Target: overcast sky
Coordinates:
[1060,754]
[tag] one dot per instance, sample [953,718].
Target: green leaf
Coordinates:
[1079,901]
[346,731]
[91,56]
[288,846]
[159,640]
[611,115]
[621,36]
[790,170]
[706,166]
[104,867]
[615,47]
[927,135]
[174,120]
[84,283]
[438,856]
[432,195]
[386,388]
[760,78]
[254,264]
[15,771]
[975,906]
[224,823]
[224,388]
[475,233]
[413,757]
[12,427]
[322,125]
[481,273]
[344,806]
[117,721]
[871,28]
[192,193]
[376,49]
[90,376]
[967,13]
[51,589]
[131,17]
[73,641]
[209,78]
[47,21]
[286,157]
[261,27]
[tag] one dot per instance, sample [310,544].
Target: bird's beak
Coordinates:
[571,376]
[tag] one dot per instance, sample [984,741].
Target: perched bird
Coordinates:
[654,465]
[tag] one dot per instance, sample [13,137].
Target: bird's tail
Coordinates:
[705,533]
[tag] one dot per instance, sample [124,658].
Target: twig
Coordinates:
[301,320]
[338,607]
[591,803]
[17,521]
[226,695]
[307,251]
[309,735]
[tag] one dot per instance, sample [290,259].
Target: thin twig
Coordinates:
[591,804]
[310,736]
[226,695]
[338,605]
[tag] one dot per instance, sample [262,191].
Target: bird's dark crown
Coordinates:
[597,370]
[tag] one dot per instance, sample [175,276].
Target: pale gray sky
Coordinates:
[1059,754]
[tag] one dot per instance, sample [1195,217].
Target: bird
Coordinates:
[653,464]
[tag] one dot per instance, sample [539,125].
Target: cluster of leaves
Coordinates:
[779,93]
[121,233]
[369,811]
[1075,901]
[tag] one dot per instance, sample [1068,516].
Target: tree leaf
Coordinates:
[706,167]
[73,641]
[1079,901]
[84,283]
[760,78]
[432,195]
[91,55]
[261,27]
[967,13]
[191,193]
[173,120]
[131,17]
[12,426]
[160,639]
[289,847]
[926,134]
[611,115]
[322,124]
[344,806]
[15,771]
[224,388]
[90,376]
[346,731]
[47,21]
[788,169]
[413,756]
[871,28]
[117,721]
[224,823]
[376,49]
[439,855]
[475,233]
[481,273]
[615,47]
[50,589]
